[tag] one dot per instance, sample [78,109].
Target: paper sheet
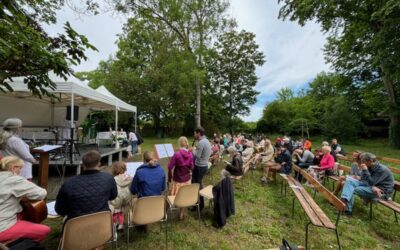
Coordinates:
[47,148]
[164,150]
[131,168]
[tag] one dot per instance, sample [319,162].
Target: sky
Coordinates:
[293,53]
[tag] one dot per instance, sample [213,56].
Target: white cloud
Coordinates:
[294,54]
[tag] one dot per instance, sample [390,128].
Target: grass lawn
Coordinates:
[263,218]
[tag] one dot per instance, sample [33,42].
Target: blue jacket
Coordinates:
[148,181]
[85,194]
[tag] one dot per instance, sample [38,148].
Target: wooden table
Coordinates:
[43,176]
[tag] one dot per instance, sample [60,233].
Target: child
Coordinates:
[121,204]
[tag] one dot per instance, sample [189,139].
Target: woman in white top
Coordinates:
[12,189]
[11,144]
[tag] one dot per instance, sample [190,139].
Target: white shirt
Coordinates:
[17,147]
[132,136]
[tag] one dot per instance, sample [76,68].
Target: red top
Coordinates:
[327,162]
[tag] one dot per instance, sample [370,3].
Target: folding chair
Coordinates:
[187,196]
[88,232]
[148,210]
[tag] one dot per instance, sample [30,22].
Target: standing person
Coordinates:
[88,192]
[133,140]
[202,155]
[12,188]
[120,205]
[149,179]
[376,182]
[180,168]
[12,144]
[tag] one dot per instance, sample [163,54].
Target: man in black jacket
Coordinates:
[282,164]
[86,193]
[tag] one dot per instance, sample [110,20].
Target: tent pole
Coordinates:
[72,130]
[135,121]
[116,127]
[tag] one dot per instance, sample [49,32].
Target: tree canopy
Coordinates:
[26,50]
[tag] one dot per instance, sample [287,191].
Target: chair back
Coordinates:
[87,231]
[187,195]
[147,210]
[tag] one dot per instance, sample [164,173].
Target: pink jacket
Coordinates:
[327,162]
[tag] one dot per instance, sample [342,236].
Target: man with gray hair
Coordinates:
[376,182]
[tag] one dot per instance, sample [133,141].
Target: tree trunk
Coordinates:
[394,127]
[198,104]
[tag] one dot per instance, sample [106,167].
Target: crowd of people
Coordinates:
[94,191]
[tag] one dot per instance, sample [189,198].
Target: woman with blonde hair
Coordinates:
[180,168]
[13,188]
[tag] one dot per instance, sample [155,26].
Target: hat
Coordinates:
[12,123]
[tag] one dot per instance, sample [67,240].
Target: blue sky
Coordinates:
[293,53]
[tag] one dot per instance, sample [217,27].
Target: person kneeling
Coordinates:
[282,164]
[376,182]
[13,188]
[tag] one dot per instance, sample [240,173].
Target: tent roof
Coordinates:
[121,104]
[84,96]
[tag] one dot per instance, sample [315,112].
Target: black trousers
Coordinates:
[198,174]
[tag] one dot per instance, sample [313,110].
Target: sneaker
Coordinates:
[120,227]
[348,213]
[264,179]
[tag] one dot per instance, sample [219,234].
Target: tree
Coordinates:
[232,72]
[363,43]
[27,50]
[194,23]
[150,70]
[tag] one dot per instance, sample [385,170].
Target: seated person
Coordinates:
[376,182]
[13,188]
[317,156]
[268,153]
[215,149]
[282,164]
[248,152]
[337,149]
[88,192]
[355,173]
[305,159]
[149,179]
[235,168]
[326,164]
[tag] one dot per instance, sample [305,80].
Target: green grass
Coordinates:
[263,218]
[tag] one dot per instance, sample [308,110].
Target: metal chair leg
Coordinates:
[395,216]
[293,207]
[166,234]
[307,235]
[337,238]
[370,210]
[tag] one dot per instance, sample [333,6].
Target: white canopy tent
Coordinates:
[50,111]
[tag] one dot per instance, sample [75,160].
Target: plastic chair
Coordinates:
[148,210]
[88,232]
[187,196]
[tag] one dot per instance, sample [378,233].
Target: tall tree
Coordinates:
[232,71]
[194,22]
[27,50]
[363,42]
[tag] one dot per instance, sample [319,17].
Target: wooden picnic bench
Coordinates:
[315,214]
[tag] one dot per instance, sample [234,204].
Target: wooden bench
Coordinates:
[317,217]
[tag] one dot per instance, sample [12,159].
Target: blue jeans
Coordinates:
[353,186]
[133,145]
